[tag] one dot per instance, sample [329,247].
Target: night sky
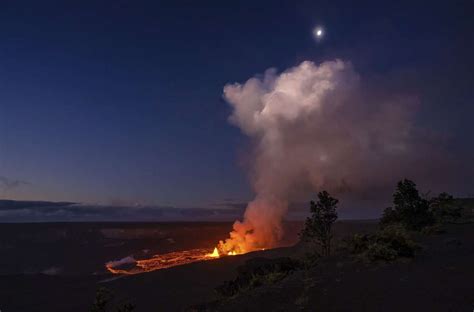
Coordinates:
[121,102]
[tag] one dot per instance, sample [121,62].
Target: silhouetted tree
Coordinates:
[409,208]
[318,227]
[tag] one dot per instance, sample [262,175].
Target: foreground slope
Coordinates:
[439,278]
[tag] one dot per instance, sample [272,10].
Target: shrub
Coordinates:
[387,244]
[409,208]
[357,243]
[390,216]
[397,238]
[377,251]
[444,208]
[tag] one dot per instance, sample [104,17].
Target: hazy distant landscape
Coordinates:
[84,248]
[50,264]
[46,265]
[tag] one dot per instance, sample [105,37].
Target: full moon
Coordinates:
[318,32]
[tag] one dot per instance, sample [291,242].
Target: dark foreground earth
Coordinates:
[439,278]
[58,267]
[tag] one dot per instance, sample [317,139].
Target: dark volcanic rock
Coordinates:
[255,272]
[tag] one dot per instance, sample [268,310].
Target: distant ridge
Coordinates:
[10,204]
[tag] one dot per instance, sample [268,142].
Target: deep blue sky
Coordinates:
[121,101]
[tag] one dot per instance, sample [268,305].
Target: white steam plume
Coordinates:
[314,126]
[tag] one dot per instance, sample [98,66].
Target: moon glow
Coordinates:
[318,32]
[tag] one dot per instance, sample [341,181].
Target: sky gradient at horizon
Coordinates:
[121,102]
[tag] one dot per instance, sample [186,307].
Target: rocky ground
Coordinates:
[439,278]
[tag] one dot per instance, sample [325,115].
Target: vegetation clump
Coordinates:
[421,214]
[445,209]
[410,209]
[387,244]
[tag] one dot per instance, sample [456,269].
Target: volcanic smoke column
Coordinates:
[279,114]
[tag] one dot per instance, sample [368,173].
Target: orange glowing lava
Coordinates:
[164,261]
[215,253]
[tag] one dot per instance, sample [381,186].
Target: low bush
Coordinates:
[397,238]
[379,251]
[357,243]
[387,244]
[445,209]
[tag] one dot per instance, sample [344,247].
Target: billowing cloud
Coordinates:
[319,127]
